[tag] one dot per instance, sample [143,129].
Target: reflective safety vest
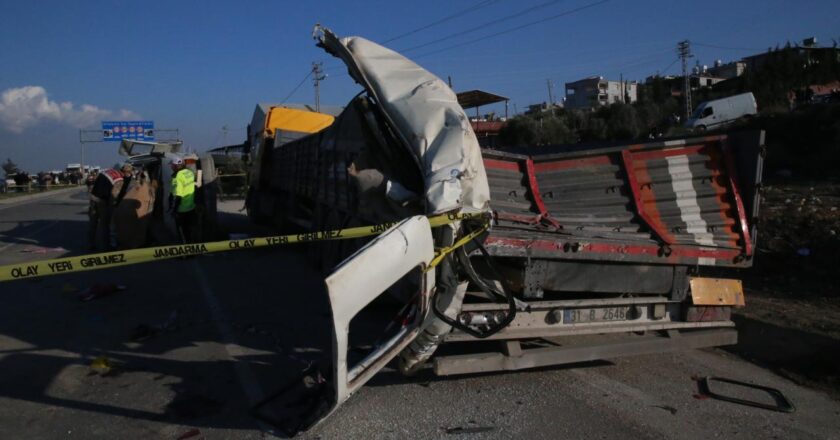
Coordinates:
[183,186]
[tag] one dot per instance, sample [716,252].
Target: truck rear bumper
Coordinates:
[514,357]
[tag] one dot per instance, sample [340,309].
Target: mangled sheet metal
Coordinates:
[423,117]
[426,116]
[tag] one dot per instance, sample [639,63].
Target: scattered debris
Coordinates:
[470,430]
[189,434]
[670,409]
[100,290]
[782,403]
[101,365]
[297,405]
[144,332]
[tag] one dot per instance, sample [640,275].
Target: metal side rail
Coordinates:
[515,357]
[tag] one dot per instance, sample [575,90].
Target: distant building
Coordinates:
[486,128]
[809,53]
[733,69]
[596,91]
[542,107]
[701,80]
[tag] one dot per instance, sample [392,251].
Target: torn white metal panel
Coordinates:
[131,148]
[425,114]
[363,277]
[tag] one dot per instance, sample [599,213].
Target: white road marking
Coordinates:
[246,376]
[686,197]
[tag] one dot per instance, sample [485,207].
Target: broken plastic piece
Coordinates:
[101,365]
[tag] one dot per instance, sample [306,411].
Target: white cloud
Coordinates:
[23,107]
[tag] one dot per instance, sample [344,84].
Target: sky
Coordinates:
[201,66]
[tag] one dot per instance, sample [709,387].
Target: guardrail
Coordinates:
[33,187]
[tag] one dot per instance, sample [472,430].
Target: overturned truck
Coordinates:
[590,254]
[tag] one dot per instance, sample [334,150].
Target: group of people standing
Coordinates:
[124,201]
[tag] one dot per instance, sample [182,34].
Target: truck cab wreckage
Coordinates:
[587,254]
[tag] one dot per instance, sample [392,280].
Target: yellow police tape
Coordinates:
[104,260]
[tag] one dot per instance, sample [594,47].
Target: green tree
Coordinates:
[10,167]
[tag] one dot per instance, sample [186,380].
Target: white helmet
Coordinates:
[176,161]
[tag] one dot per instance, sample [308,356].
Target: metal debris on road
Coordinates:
[782,403]
[100,290]
[470,430]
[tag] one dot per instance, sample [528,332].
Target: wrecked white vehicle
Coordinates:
[609,241]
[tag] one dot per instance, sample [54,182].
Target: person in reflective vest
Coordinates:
[182,199]
[105,193]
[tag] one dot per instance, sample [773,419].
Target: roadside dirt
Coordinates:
[791,323]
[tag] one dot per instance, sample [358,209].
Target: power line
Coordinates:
[442,20]
[715,46]
[669,66]
[296,87]
[484,25]
[507,31]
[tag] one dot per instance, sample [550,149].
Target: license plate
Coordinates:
[574,316]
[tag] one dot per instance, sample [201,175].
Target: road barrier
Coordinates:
[105,260]
[35,187]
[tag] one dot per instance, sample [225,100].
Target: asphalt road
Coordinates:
[236,327]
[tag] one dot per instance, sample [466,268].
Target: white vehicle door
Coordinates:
[403,251]
[399,257]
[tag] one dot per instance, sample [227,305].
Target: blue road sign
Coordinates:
[115,131]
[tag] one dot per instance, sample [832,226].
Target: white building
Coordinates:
[595,91]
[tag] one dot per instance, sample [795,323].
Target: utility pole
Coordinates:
[550,93]
[82,155]
[621,87]
[318,76]
[684,51]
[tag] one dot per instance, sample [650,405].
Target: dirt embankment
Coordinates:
[792,319]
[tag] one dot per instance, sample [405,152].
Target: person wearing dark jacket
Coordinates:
[105,193]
